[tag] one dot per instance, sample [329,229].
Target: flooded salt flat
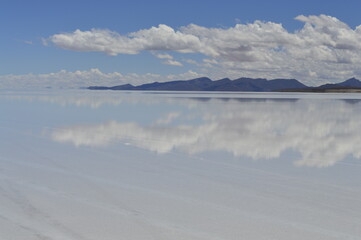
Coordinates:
[141,165]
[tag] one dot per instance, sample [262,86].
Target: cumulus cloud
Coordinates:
[162,37]
[324,48]
[92,77]
[323,132]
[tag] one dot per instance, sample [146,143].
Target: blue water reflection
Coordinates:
[321,129]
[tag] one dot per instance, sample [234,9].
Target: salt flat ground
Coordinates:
[83,165]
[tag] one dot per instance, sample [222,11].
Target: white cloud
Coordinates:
[163,56]
[173,63]
[191,61]
[325,46]
[211,61]
[169,59]
[187,75]
[92,77]
[162,37]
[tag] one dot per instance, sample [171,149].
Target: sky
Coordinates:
[81,43]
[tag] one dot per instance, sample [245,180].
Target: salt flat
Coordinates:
[125,165]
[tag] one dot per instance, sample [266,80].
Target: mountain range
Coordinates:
[241,84]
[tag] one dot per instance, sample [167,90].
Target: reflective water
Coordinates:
[142,165]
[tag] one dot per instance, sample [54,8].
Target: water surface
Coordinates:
[163,165]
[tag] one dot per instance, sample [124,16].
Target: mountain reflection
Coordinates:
[323,132]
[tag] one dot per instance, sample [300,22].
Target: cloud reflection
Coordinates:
[323,132]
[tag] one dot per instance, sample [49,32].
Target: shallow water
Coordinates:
[162,165]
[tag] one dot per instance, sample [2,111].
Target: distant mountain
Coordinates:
[240,84]
[350,85]
[352,82]
[206,84]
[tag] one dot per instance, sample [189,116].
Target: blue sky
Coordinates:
[26,24]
